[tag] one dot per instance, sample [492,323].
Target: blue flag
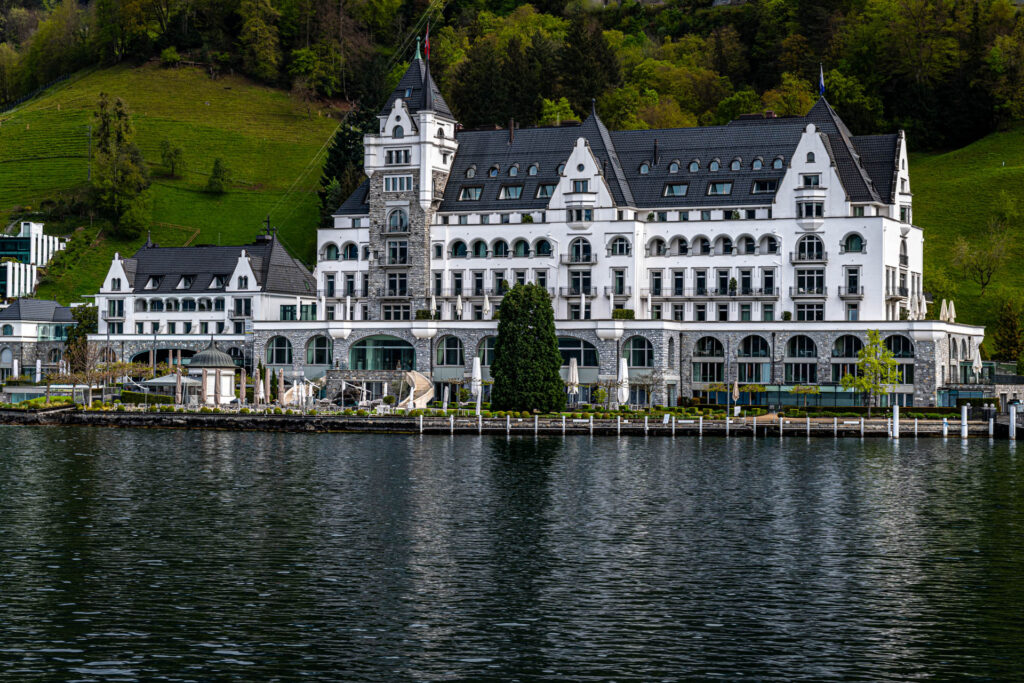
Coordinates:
[821,80]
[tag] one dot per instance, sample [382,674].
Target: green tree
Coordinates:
[258,39]
[172,157]
[343,167]
[526,357]
[792,97]
[1007,334]
[979,261]
[9,73]
[219,177]
[588,64]
[742,102]
[553,113]
[119,171]
[78,336]
[876,372]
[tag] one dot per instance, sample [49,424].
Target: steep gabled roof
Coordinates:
[859,185]
[275,269]
[418,90]
[37,310]
[358,203]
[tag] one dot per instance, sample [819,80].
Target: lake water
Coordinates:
[185,555]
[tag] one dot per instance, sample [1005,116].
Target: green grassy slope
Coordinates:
[956,193]
[267,138]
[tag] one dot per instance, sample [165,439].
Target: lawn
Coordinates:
[271,144]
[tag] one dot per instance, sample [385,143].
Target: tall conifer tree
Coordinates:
[526,358]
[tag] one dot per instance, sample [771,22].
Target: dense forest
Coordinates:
[948,71]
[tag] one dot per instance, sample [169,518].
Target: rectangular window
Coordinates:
[464,219]
[801,373]
[720,188]
[700,281]
[678,282]
[745,312]
[581,186]
[678,311]
[810,311]
[519,276]
[470,194]
[485,219]
[700,312]
[810,209]
[810,281]
[478,283]
[330,311]
[350,284]
[765,186]
[655,283]
[398,284]
[542,278]
[394,157]
[675,190]
[811,180]
[172,328]
[723,313]
[768,281]
[545,191]
[904,214]
[395,312]
[684,215]
[329,285]
[398,252]
[750,214]
[858,211]
[511,191]
[289,312]
[705,215]
[506,218]
[753,373]
[397,183]
[580,215]
[708,371]
[574,312]
[768,312]
[852,312]
[307,312]
[357,222]
[656,312]
[579,282]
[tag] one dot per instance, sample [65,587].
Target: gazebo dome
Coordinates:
[211,357]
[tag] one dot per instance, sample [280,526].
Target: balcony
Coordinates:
[897,293]
[578,291]
[851,292]
[798,257]
[618,291]
[240,315]
[808,292]
[578,259]
[396,263]
[399,293]
[113,317]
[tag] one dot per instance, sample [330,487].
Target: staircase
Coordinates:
[423,392]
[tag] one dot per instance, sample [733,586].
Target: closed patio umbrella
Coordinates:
[216,387]
[976,366]
[912,309]
[487,307]
[583,304]
[476,383]
[573,383]
[444,402]
[348,308]
[944,313]
[433,306]
[202,387]
[458,307]
[177,387]
[257,386]
[241,389]
[39,370]
[280,386]
[922,306]
[622,393]
[952,311]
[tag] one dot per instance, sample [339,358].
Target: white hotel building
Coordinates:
[758,252]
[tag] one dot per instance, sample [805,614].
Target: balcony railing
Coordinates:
[897,292]
[239,315]
[578,259]
[851,292]
[704,292]
[618,291]
[797,292]
[797,257]
[109,316]
[395,293]
[578,291]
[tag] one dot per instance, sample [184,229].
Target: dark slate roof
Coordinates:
[420,98]
[858,184]
[275,269]
[211,357]
[357,203]
[37,310]
[878,154]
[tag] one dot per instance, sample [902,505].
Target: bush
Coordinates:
[219,176]
[525,414]
[140,397]
[361,413]
[623,314]
[389,400]
[424,314]
[787,315]
[169,57]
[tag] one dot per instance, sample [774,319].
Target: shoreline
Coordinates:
[325,424]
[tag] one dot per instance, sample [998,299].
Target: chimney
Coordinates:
[511,130]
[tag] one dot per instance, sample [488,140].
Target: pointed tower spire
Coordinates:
[417,48]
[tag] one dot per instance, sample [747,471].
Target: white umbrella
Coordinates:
[39,370]
[433,305]
[348,308]
[15,369]
[583,304]
[458,307]
[257,386]
[573,383]
[944,313]
[202,387]
[177,387]
[444,402]
[922,306]
[912,309]
[487,307]
[216,387]
[735,390]
[476,382]
[623,391]
[412,396]
[386,387]
[952,311]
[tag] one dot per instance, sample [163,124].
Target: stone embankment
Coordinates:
[763,427]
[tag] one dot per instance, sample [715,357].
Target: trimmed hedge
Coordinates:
[139,397]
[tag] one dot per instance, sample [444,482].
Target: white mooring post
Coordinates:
[835,426]
[808,424]
[727,423]
[700,425]
[421,424]
[479,424]
[1013,422]
[991,427]
[451,423]
[645,424]
[754,433]
[915,427]
[618,425]
[782,423]
[895,422]
[888,426]
[508,424]
[945,426]
[862,426]
[963,422]
[536,419]
[563,424]
[673,426]
[591,424]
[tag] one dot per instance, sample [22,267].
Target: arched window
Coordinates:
[673,167]
[753,346]
[398,132]
[619,247]
[714,165]
[757,165]
[381,352]
[319,351]
[777,163]
[735,165]
[657,247]
[458,249]
[708,347]
[485,350]
[584,352]
[513,171]
[645,168]
[471,172]
[702,245]
[450,352]
[480,249]
[847,346]
[902,347]
[579,251]
[694,166]
[953,349]
[543,248]
[561,169]
[726,245]
[6,358]
[331,252]
[440,133]
[963,350]
[54,356]
[501,248]
[140,305]
[279,351]
[156,305]
[493,171]
[638,352]
[8,330]
[350,252]
[771,245]
[398,221]
[748,245]
[810,248]
[521,248]
[810,157]
[682,247]
[853,243]
[801,346]
[533,169]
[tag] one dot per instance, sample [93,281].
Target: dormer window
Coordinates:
[243,282]
[471,172]
[493,171]
[533,169]
[765,186]
[217,282]
[186,281]
[470,194]
[408,93]
[757,164]
[581,186]
[675,190]
[398,132]
[810,157]
[735,165]
[152,283]
[440,133]
[694,166]
[720,188]
[545,191]
[561,169]
[777,164]
[673,167]
[511,191]
[115,284]
[513,171]
[645,168]
[714,165]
